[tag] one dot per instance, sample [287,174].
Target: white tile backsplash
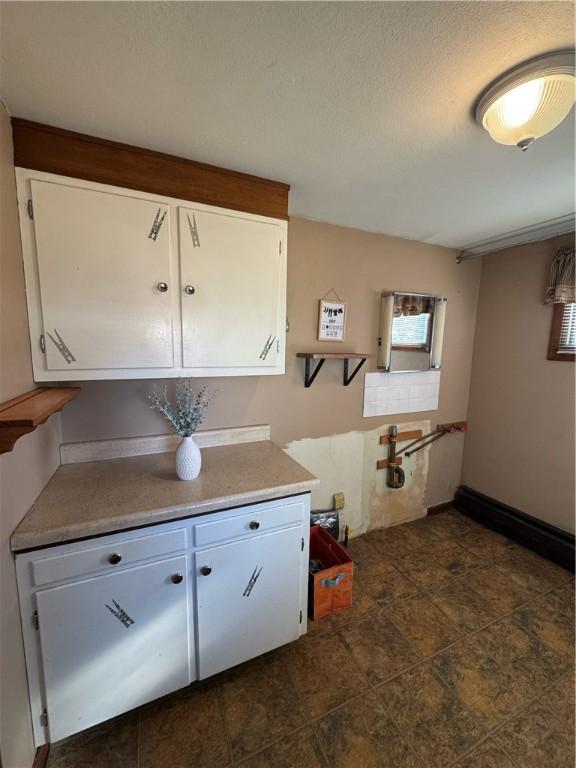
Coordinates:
[390,393]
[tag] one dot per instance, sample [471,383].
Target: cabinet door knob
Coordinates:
[205,570]
[177,578]
[114,558]
[254,525]
[190,290]
[162,287]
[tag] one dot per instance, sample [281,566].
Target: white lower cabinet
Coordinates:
[112,623]
[248,598]
[113,642]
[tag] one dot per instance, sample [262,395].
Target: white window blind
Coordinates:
[410,330]
[567,343]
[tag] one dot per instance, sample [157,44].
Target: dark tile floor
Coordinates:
[459,651]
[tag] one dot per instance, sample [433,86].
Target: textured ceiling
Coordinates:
[364,108]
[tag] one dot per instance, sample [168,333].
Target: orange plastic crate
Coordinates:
[329,590]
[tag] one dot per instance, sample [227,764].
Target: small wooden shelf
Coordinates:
[401,437]
[24,413]
[322,356]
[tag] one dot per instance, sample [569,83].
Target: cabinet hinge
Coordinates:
[278,347]
[35,621]
[42,343]
[280,246]
[302,545]
[30,209]
[300,617]
[44,717]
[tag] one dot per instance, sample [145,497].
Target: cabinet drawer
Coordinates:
[106,556]
[259,520]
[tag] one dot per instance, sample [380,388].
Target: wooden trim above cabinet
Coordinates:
[55,150]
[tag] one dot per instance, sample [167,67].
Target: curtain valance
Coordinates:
[561,283]
[405,304]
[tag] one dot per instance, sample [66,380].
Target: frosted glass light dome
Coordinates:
[530,101]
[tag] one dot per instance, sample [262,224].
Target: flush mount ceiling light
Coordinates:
[529,101]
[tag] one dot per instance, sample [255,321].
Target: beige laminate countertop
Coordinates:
[105,496]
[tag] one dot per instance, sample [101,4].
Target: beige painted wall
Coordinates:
[23,472]
[520,447]
[358,265]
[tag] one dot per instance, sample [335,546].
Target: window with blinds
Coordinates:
[567,341]
[563,333]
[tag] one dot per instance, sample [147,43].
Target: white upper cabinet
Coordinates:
[103,261]
[231,269]
[125,284]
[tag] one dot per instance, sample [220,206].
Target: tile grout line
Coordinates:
[466,636]
[454,540]
[513,714]
[497,727]
[308,724]
[516,713]
[320,746]
[467,633]
[374,687]
[471,633]
[313,721]
[222,711]
[547,707]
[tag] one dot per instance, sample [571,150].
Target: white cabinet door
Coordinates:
[101,258]
[233,282]
[111,643]
[248,598]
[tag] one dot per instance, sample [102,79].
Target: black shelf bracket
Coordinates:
[310,375]
[309,378]
[348,379]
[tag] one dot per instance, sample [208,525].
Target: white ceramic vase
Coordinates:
[188,459]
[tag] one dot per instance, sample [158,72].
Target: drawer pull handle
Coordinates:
[114,558]
[254,525]
[205,570]
[177,578]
